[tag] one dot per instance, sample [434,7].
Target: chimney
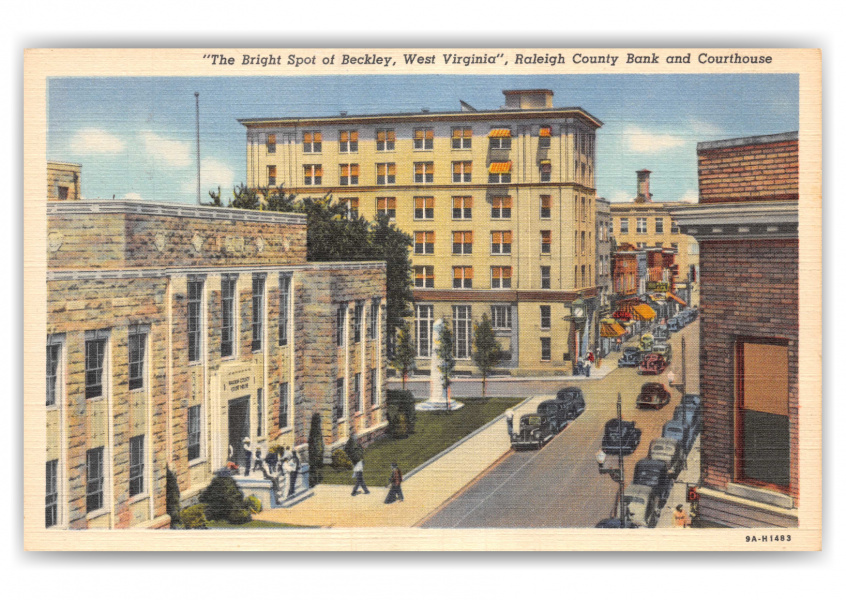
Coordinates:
[527,99]
[643,194]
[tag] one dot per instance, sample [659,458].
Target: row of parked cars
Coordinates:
[682,319]
[537,428]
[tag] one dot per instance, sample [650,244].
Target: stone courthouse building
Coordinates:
[176,331]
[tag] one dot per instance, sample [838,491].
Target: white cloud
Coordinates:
[213,173]
[620,196]
[91,140]
[161,149]
[700,128]
[132,196]
[640,140]
[691,196]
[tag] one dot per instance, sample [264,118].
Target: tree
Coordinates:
[403,356]
[393,246]
[315,450]
[446,358]
[488,349]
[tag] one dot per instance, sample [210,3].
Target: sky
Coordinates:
[135,137]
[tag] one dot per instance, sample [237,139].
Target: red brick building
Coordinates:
[747,226]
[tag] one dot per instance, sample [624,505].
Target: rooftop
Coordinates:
[790,136]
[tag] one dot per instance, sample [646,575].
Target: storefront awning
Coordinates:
[500,167]
[611,329]
[676,298]
[643,312]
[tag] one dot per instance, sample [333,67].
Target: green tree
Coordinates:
[393,246]
[315,451]
[403,356]
[446,358]
[488,349]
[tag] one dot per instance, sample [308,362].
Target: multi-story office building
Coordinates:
[500,204]
[603,275]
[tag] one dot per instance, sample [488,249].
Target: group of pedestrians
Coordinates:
[282,470]
[394,481]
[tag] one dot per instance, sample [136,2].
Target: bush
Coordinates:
[353,449]
[221,498]
[172,498]
[254,504]
[340,460]
[194,517]
[401,413]
[239,516]
[315,451]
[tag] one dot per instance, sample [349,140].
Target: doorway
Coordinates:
[239,428]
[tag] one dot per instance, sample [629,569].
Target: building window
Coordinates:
[312,174]
[349,141]
[462,277]
[94,479]
[387,207]
[386,173]
[545,171]
[624,225]
[352,207]
[584,281]
[501,317]
[339,399]
[641,224]
[462,242]
[659,225]
[424,172]
[544,137]
[545,316]
[424,139]
[63,192]
[284,307]
[423,320]
[95,355]
[500,242]
[312,141]
[641,245]
[258,311]
[674,246]
[500,139]
[424,242]
[499,172]
[424,277]
[227,310]
[357,321]
[349,174]
[584,247]
[546,207]
[194,432]
[424,207]
[461,323]
[546,349]
[136,465]
[271,143]
[546,242]
[462,138]
[260,412]
[357,392]
[674,226]
[271,175]
[500,277]
[283,405]
[462,207]
[501,207]
[51,496]
[374,318]
[341,325]
[584,211]
[611,227]
[137,347]
[546,278]
[462,171]
[54,354]
[195,319]
[374,388]
[385,140]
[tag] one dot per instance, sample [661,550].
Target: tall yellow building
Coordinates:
[500,203]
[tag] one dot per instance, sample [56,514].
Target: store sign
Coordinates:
[657,286]
[622,315]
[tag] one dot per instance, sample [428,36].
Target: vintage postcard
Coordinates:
[423,299]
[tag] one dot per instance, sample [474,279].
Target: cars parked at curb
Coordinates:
[652,364]
[654,474]
[641,501]
[664,350]
[556,411]
[630,357]
[661,334]
[620,437]
[669,451]
[689,416]
[677,431]
[674,324]
[574,400]
[653,395]
[694,401]
[534,431]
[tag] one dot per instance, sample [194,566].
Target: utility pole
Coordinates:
[197,103]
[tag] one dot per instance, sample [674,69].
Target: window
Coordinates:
[283,405]
[641,245]
[624,225]
[54,354]
[424,139]
[501,207]
[260,412]
[63,192]
[500,242]
[424,172]
[227,310]
[693,248]
[546,241]
[387,207]
[461,323]
[674,226]
[545,170]
[374,388]
[545,278]
[423,320]
[424,277]
[340,325]
[501,316]
[462,207]
[258,311]
[357,392]
[137,347]
[194,432]
[271,175]
[195,319]
[374,318]
[500,139]
[641,224]
[136,465]
[349,174]
[462,277]
[349,141]
[284,307]
[545,316]
[385,140]
[611,227]
[386,173]
[424,207]
[312,141]
[94,479]
[338,413]
[546,348]
[544,137]
[462,171]
[352,207]
[462,242]
[674,245]
[499,172]
[462,138]
[271,143]
[424,242]
[312,174]
[584,281]
[659,225]
[51,495]
[95,354]
[584,247]
[546,207]
[357,321]
[500,277]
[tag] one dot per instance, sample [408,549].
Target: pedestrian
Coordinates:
[271,459]
[680,518]
[586,368]
[295,471]
[670,378]
[395,481]
[358,475]
[259,462]
[248,456]
[509,422]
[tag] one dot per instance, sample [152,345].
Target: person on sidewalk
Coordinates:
[680,518]
[358,475]
[509,422]
[290,477]
[295,472]
[248,456]
[395,482]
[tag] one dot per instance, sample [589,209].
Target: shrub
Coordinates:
[315,451]
[340,460]
[194,517]
[172,499]
[239,516]
[222,497]
[402,402]
[353,449]
[254,504]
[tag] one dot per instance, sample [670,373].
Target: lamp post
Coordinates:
[618,474]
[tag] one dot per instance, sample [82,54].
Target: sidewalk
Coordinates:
[425,489]
[678,495]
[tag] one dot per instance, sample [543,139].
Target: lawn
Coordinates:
[433,432]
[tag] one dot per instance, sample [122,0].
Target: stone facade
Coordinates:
[63,181]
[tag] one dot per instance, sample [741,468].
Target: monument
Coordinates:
[438,394]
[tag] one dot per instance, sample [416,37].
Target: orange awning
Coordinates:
[611,329]
[643,312]
[500,133]
[500,167]
[545,132]
[676,298]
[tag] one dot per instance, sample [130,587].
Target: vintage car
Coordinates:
[574,399]
[556,411]
[630,357]
[669,451]
[620,437]
[694,401]
[646,342]
[654,474]
[677,431]
[674,324]
[652,364]
[653,395]
[641,501]
[534,431]
[614,523]
[689,416]
[664,350]
[661,333]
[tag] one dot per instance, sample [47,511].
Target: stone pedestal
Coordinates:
[438,397]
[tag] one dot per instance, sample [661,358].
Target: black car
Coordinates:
[557,412]
[535,430]
[690,417]
[614,523]
[621,437]
[693,401]
[676,430]
[630,357]
[574,400]
[654,473]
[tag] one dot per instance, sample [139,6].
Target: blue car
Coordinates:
[630,358]
[674,324]
[676,430]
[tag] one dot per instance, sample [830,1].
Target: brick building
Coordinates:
[176,331]
[747,225]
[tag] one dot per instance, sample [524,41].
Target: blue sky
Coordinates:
[135,137]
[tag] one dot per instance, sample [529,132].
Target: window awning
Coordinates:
[676,298]
[500,133]
[643,312]
[500,167]
[611,329]
[545,132]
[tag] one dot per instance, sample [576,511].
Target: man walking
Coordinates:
[358,475]
[680,518]
[294,472]
[395,482]
[509,422]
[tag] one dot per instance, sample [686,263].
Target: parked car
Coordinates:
[556,411]
[614,523]
[646,342]
[652,364]
[661,333]
[642,503]
[669,451]
[693,400]
[535,430]
[689,416]
[620,437]
[574,399]
[630,357]
[653,473]
[653,395]
[674,324]
[677,431]
[664,350]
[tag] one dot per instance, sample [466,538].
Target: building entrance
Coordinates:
[239,428]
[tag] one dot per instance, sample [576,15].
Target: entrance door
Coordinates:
[239,427]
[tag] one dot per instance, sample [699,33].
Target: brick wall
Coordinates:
[750,172]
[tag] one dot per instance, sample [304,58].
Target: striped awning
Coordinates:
[500,133]
[643,312]
[676,298]
[500,167]
[611,329]
[545,132]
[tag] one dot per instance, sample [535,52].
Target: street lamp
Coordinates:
[618,474]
